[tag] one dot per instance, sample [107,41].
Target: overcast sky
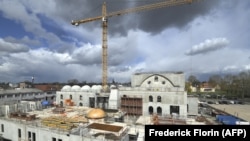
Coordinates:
[202,38]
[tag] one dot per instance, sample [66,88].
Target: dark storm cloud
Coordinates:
[152,21]
[120,69]
[176,16]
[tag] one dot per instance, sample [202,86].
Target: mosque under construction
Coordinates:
[86,113]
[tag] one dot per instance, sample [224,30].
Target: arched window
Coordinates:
[61,96]
[80,104]
[70,96]
[150,98]
[80,97]
[61,104]
[159,111]
[158,98]
[150,110]
[156,78]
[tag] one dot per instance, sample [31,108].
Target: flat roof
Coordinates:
[20,90]
[105,127]
[240,111]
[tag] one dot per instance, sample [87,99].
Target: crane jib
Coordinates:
[106,15]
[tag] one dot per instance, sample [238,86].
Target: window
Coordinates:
[2,127]
[9,96]
[54,139]
[174,109]
[150,98]
[150,110]
[208,89]
[61,104]
[33,136]
[156,78]
[163,82]
[70,96]
[158,98]
[29,135]
[159,110]
[80,104]
[149,82]
[92,102]
[80,97]
[61,96]
[19,133]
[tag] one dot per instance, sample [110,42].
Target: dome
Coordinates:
[112,86]
[94,87]
[66,88]
[96,114]
[85,88]
[75,87]
[99,87]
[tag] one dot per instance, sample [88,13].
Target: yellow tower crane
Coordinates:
[106,15]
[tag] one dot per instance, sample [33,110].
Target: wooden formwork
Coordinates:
[64,123]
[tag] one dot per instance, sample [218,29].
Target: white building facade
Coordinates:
[152,93]
[19,94]
[161,93]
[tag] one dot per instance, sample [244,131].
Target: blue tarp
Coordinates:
[227,119]
[45,103]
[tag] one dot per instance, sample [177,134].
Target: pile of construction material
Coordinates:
[22,116]
[58,110]
[62,122]
[163,120]
[69,102]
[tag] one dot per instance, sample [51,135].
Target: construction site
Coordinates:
[72,122]
[107,112]
[132,105]
[86,113]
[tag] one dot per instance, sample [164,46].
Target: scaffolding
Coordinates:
[132,105]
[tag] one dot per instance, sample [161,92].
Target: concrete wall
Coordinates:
[167,99]
[177,79]
[114,100]
[41,133]
[192,103]
[23,106]
[75,97]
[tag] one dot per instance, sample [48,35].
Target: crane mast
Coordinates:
[104,48]
[104,17]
